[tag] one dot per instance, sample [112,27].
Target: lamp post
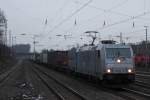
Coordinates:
[34,42]
[146,48]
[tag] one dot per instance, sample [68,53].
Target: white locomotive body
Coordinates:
[104,61]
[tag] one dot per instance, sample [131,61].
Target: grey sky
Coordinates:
[29,16]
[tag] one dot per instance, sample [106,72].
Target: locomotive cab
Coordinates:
[119,65]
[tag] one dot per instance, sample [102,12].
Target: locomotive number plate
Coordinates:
[117,70]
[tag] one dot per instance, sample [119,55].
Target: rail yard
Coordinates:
[74,50]
[28,80]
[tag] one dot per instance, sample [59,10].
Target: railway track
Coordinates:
[137,92]
[143,75]
[124,93]
[142,84]
[118,92]
[4,77]
[114,92]
[129,94]
[142,72]
[141,87]
[62,91]
[142,78]
[99,88]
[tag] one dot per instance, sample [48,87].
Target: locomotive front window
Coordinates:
[118,52]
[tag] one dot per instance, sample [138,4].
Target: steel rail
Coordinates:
[49,87]
[143,72]
[143,84]
[9,73]
[63,85]
[137,92]
[143,75]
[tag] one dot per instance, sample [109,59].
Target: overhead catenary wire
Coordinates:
[111,11]
[122,21]
[125,20]
[117,13]
[70,16]
[135,31]
[107,10]
[118,5]
[144,5]
[130,17]
[55,15]
[61,8]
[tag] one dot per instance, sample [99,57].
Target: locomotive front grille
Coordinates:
[119,70]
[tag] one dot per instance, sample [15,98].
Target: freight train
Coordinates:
[142,60]
[141,54]
[106,61]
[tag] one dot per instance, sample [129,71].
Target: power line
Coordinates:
[125,20]
[107,10]
[144,5]
[61,8]
[55,15]
[70,16]
[113,12]
[118,5]
[135,31]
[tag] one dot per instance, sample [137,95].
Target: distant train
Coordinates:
[106,61]
[141,54]
[141,60]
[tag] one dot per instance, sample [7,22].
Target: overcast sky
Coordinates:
[48,18]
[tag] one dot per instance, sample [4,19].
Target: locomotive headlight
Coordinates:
[118,61]
[108,70]
[129,70]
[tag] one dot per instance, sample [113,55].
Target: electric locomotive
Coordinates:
[106,61]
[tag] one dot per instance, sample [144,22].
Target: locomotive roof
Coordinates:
[100,46]
[85,48]
[113,46]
